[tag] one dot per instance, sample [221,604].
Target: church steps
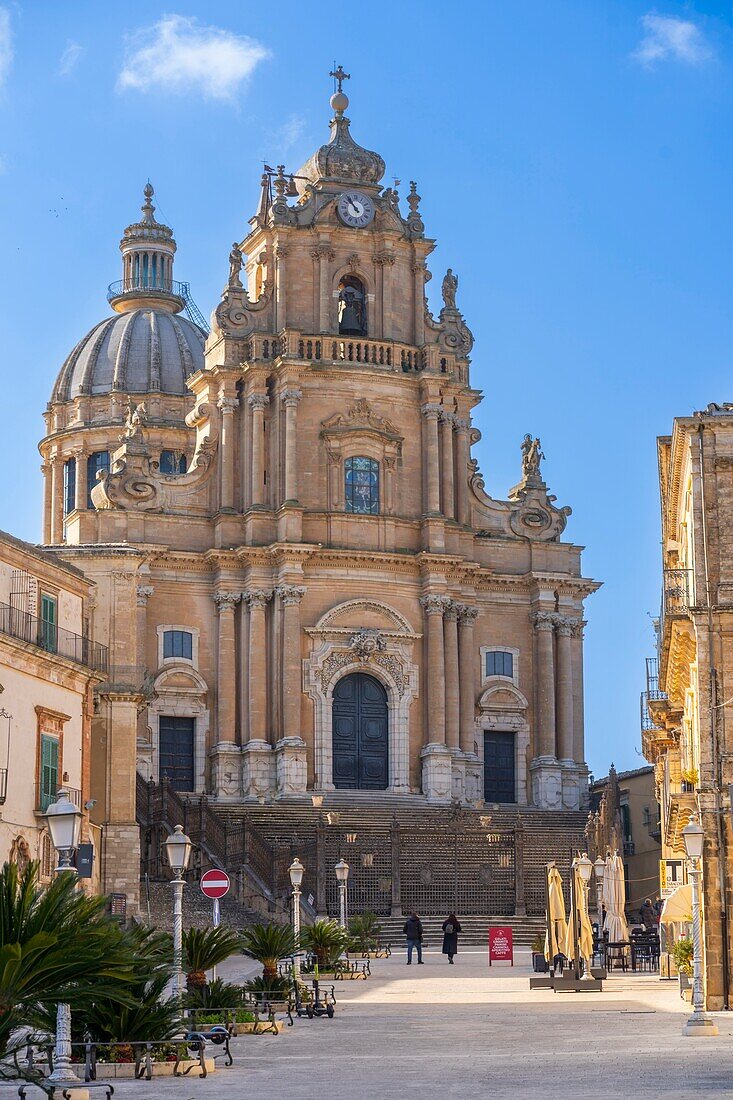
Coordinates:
[474,932]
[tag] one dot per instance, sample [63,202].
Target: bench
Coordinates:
[36,1078]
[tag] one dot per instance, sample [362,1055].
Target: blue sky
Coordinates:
[576,165]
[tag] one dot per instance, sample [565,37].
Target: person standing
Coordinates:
[451,928]
[413,931]
[648,916]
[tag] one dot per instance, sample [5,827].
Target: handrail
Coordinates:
[147,286]
[52,638]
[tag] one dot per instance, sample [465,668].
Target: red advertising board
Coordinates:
[501,947]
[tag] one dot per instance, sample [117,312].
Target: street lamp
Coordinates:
[342,877]
[585,870]
[699,1022]
[178,850]
[600,869]
[64,825]
[296,871]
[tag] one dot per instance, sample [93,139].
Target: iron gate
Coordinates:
[463,871]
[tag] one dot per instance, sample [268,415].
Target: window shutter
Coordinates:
[49,771]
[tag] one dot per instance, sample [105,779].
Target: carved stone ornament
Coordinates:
[360,416]
[434,605]
[237,315]
[290,594]
[366,643]
[226,601]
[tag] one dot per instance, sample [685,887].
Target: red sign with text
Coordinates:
[501,947]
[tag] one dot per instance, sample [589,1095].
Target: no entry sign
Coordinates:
[501,948]
[215,884]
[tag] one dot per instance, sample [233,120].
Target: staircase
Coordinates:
[474,931]
[156,908]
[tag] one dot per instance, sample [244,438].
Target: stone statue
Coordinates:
[235,265]
[449,288]
[531,456]
[136,417]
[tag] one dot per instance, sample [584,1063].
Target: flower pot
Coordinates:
[539,963]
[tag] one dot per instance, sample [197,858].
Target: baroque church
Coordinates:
[306,591]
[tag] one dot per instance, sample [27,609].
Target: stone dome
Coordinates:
[140,351]
[342,159]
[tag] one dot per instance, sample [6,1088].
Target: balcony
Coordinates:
[629,848]
[52,638]
[162,288]
[387,355]
[45,798]
[677,592]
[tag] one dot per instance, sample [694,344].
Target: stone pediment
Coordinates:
[502,696]
[355,615]
[360,418]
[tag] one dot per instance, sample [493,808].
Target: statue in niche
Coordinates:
[351,307]
[449,288]
[531,456]
[136,417]
[235,265]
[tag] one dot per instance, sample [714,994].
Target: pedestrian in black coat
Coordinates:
[451,928]
[413,931]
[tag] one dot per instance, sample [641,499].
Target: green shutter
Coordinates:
[49,628]
[49,771]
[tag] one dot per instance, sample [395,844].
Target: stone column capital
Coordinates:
[565,626]
[431,411]
[290,593]
[322,251]
[578,627]
[543,620]
[226,601]
[462,425]
[227,404]
[447,417]
[291,397]
[143,593]
[258,401]
[467,615]
[257,597]
[451,611]
[434,605]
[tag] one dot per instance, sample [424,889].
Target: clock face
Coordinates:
[355,209]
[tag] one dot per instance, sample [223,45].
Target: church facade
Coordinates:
[302,581]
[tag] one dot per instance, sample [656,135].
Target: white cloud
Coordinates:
[290,133]
[6,45]
[178,55]
[70,57]
[667,38]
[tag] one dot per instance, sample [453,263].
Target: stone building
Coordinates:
[304,584]
[624,817]
[49,668]
[686,707]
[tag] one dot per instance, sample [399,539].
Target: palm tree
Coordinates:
[268,944]
[364,930]
[326,939]
[205,948]
[56,944]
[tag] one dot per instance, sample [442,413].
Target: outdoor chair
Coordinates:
[645,951]
[617,955]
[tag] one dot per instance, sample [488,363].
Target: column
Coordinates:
[281,286]
[462,456]
[291,595]
[57,499]
[418,271]
[81,489]
[544,623]
[467,664]
[227,405]
[387,260]
[564,688]
[434,607]
[257,403]
[46,470]
[452,707]
[143,594]
[431,414]
[324,254]
[578,708]
[290,400]
[257,685]
[447,420]
[226,671]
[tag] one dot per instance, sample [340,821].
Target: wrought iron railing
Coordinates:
[678,594]
[54,639]
[150,285]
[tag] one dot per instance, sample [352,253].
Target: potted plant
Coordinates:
[682,953]
[205,948]
[269,944]
[364,931]
[539,962]
[325,940]
[690,779]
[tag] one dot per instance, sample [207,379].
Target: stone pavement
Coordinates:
[465,1031]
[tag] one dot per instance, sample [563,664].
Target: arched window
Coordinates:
[172,462]
[96,462]
[69,485]
[361,485]
[352,307]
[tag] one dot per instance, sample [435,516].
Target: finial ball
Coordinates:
[148,190]
[339,102]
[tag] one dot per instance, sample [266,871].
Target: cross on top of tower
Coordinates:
[340,76]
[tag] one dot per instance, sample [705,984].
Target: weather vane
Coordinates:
[339,75]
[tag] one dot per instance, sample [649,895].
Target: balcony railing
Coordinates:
[147,286]
[45,798]
[52,638]
[678,596]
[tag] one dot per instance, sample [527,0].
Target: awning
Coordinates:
[678,906]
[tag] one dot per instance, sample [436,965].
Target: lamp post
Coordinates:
[64,825]
[600,869]
[342,877]
[178,850]
[699,1022]
[296,870]
[585,870]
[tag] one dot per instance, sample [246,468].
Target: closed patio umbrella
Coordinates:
[585,929]
[614,899]
[558,924]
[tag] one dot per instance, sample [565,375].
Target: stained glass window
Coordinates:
[362,485]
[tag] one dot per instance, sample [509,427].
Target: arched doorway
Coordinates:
[360,739]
